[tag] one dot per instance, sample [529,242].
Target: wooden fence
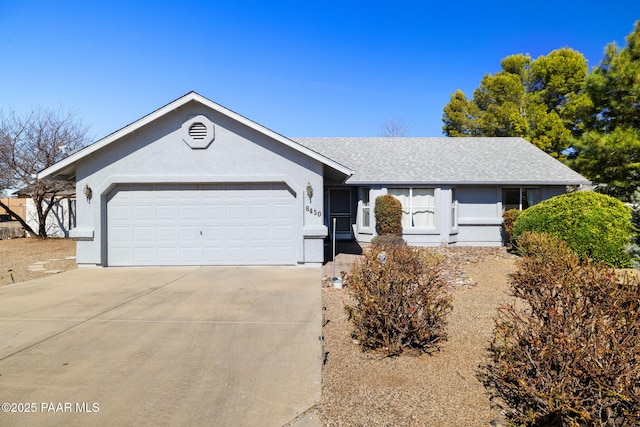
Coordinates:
[17,205]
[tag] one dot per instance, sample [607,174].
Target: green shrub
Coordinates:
[593,225]
[399,303]
[508,219]
[571,354]
[388,214]
[388,240]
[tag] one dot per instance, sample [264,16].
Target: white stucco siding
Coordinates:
[156,154]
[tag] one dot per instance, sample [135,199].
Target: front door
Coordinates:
[340,210]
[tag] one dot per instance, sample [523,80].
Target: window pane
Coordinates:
[366,209]
[510,198]
[402,194]
[422,205]
[366,219]
[423,218]
[530,197]
[423,197]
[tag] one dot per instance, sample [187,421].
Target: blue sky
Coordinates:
[300,68]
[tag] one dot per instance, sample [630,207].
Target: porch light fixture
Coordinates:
[309,191]
[88,192]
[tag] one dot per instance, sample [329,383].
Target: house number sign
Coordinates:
[312,211]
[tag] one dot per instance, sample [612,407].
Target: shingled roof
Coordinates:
[505,161]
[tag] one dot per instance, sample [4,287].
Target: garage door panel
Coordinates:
[211,254]
[236,233]
[260,234]
[166,234]
[201,225]
[282,233]
[213,234]
[190,256]
[167,255]
[212,212]
[144,255]
[166,212]
[143,213]
[144,234]
[188,234]
[120,213]
[282,212]
[120,234]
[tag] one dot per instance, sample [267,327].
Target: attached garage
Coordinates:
[194,183]
[241,224]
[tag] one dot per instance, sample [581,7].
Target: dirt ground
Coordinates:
[443,389]
[25,258]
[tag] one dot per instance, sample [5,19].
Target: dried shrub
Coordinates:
[388,240]
[569,354]
[508,219]
[388,214]
[400,303]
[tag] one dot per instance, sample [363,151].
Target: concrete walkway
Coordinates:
[223,346]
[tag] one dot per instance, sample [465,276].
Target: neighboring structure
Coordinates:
[60,221]
[61,218]
[17,205]
[194,183]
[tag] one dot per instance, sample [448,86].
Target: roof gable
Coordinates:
[65,168]
[445,161]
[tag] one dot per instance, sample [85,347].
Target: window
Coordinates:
[418,206]
[454,209]
[366,208]
[519,198]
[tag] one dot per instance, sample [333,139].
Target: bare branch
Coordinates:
[31,143]
[395,127]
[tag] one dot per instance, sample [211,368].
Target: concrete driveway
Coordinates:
[218,346]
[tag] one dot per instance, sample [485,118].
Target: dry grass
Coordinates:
[17,255]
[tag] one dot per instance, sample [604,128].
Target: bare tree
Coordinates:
[394,127]
[34,142]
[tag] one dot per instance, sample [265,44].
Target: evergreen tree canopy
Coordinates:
[609,152]
[539,100]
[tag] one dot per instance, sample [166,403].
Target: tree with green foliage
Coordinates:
[611,161]
[539,100]
[609,153]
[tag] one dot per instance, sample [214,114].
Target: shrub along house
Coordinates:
[194,183]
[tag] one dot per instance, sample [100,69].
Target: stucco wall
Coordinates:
[156,153]
[478,216]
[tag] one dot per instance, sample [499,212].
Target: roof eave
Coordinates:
[520,183]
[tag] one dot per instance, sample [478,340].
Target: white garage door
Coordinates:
[201,225]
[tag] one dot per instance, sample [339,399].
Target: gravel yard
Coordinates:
[442,389]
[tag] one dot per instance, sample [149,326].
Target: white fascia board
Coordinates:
[191,96]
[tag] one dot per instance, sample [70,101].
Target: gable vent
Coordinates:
[198,131]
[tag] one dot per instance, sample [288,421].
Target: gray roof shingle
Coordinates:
[444,161]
